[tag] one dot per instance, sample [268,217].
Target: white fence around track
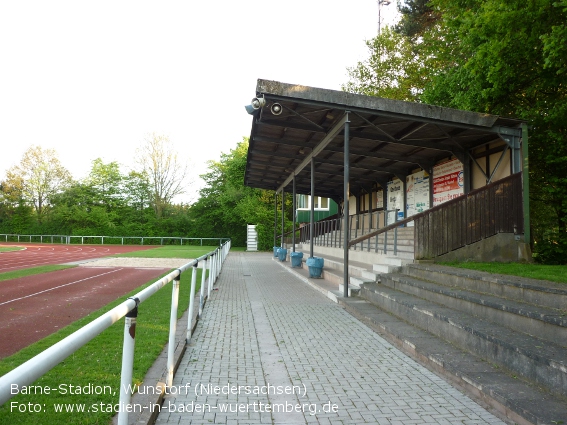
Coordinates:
[109,240]
[39,365]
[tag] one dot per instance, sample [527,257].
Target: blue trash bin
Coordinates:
[276,250]
[296,258]
[315,266]
[282,253]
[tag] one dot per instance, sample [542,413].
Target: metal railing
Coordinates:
[328,233]
[110,240]
[39,365]
[482,213]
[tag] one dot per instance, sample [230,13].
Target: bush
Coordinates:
[552,249]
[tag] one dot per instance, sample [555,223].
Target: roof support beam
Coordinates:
[316,150]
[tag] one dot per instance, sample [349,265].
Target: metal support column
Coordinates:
[275,217]
[430,172]
[283,219]
[467,174]
[516,154]
[346,195]
[312,213]
[526,184]
[293,221]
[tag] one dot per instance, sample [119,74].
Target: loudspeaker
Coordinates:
[258,102]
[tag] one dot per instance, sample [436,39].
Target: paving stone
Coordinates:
[266,329]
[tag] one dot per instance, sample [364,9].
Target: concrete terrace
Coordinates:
[266,330]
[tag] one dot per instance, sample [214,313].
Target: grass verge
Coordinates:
[10,248]
[187,251]
[32,271]
[98,363]
[529,270]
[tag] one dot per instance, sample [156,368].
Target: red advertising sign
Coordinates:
[448,181]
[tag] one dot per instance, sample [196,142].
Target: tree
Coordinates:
[397,68]
[166,173]
[416,17]
[106,181]
[503,57]
[37,178]
[555,44]
[226,206]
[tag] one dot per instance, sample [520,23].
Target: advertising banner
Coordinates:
[448,181]
[417,187]
[395,199]
[379,199]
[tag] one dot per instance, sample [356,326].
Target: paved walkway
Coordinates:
[266,331]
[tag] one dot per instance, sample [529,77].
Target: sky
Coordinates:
[95,79]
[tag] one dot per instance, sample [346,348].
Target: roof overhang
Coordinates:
[388,138]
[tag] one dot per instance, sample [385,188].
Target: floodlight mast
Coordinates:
[380,3]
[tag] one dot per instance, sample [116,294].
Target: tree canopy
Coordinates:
[226,206]
[493,56]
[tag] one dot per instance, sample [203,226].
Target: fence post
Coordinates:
[172,329]
[191,303]
[221,260]
[127,363]
[212,272]
[202,296]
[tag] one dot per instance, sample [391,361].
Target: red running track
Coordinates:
[34,255]
[34,307]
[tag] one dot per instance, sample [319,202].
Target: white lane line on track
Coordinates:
[60,286]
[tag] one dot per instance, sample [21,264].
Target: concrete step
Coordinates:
[371,275]
[515,399]
[385,268]
[545,323]
[540,361]
[353,291]
[537,292]
[359,281]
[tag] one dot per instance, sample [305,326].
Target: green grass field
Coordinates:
[10,248]
[175,251]
[529,270]
[97,363]
[32,271]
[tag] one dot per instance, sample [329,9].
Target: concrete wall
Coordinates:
[502,247]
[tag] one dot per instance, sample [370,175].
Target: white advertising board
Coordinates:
[380,199]
[395,199]
[448,181]
[417,193]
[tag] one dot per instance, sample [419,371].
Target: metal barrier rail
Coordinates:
[328,232]
[68,239]
[39,365]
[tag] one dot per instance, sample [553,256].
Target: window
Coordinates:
[303,203]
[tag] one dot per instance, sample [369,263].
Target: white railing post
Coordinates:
[202,296]
[127,364]
[191,303]
[211,280]
[172,329]
[218,262]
